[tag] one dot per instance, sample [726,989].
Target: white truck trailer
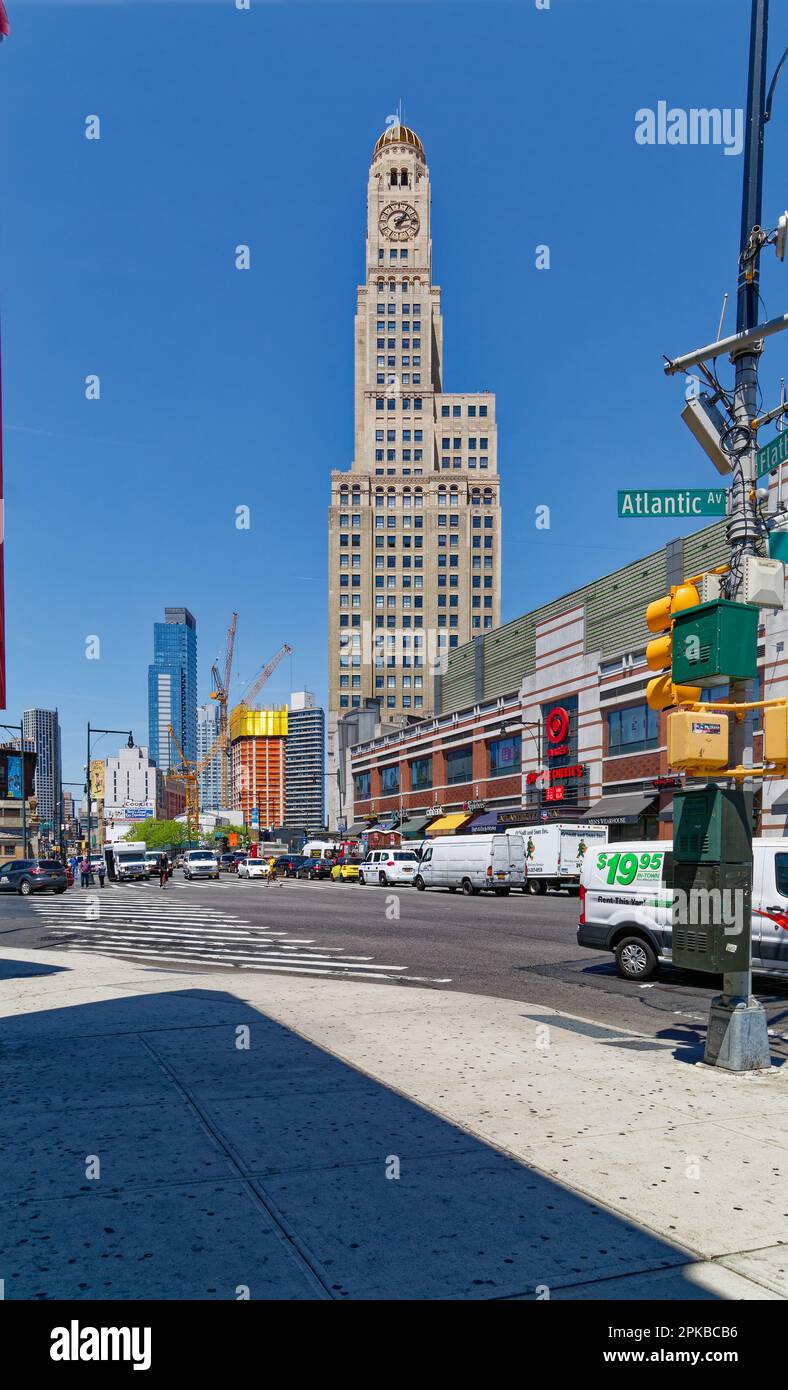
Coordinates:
[554,853]
[128,860]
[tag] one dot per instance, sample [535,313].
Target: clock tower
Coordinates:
[414,524]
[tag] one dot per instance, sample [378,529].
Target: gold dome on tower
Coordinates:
[399,134]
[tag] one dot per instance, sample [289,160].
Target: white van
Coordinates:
[554,853]
[200,863]
[473,863]
[626,905]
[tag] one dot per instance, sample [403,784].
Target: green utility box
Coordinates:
[714,642]
[712,917]
[712,825]
[712,879]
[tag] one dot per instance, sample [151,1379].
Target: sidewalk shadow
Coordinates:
[23,969]
[183,1145]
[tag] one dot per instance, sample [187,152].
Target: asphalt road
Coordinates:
[518,947]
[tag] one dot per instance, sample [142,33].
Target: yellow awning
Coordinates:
[448,824]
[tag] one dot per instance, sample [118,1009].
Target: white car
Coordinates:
[253,868]
[385,866]
[200,863]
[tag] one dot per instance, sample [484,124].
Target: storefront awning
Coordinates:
[447,825]
[412,828]
[488,824]
[357,828]
[625,809]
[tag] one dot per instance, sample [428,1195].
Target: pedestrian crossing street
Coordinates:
[146,925]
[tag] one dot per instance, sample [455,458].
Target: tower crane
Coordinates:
[221,693]
[189,774]
[257,685]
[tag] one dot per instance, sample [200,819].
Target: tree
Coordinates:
[159,834]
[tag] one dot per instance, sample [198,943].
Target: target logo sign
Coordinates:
[557,726]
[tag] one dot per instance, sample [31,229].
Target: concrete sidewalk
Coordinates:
[175,1135]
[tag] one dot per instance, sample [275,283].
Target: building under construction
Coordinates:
[257,763]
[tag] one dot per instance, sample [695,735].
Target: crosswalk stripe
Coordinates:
[151,929]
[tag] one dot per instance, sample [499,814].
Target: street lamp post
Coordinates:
[87,770]
[63,813]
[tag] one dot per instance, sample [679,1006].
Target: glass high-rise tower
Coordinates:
[172,688]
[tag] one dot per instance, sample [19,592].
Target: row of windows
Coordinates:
[457,463]
[446,442]
[403,309]
[391,436]
[391,401]
[503,757]
[455,412]
[390,325]
[354,701]
[393,253]
[405,286]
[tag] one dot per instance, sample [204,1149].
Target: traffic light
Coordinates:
[661,692]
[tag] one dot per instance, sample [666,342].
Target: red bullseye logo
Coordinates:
[557,725]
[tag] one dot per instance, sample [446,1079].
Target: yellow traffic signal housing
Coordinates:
[697,740]
[775,734]
[661,692]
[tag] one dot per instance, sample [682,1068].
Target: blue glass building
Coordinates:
[172,688]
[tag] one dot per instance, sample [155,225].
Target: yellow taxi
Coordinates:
[344,870]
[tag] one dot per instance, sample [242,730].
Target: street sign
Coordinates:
[772,454]
[659,502]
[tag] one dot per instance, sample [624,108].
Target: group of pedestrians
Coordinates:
[84,868]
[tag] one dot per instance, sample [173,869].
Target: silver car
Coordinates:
[200,863]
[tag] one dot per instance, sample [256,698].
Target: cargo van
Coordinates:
[554,853]
[473,863]
[626,905]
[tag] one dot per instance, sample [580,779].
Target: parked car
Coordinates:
[200,863]
[473,863]
[253,868]
[228,863]
[315,869]
[626,905]
[288,864]
[345,870]
[27,876]
[385,866]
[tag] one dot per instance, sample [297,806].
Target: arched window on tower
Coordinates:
[393,178]
[404,178]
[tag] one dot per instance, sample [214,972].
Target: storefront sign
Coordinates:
[474,805]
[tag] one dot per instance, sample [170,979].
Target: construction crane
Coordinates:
[189,774]
[221,692]
[257,685]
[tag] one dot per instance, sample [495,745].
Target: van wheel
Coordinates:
[534,886]
[635,959]
[467,887]
[383,880]
[419,882]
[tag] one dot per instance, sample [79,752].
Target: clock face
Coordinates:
[399,222]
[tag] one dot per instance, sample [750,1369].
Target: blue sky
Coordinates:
[221,388]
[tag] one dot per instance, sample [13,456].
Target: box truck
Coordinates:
[554,853]
[126,860]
